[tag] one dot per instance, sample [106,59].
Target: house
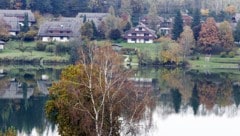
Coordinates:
[61,31]
[165,28]
[140,34]
[20,14]
[15,91]
[12,24]
[97,18]
[2,44]
[187,20]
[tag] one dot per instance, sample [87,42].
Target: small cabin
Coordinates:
[2,44]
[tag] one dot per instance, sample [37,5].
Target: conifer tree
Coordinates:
[196,24]
[177,26]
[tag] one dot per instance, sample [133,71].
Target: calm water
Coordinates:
[186,102]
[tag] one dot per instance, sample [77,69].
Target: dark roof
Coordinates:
[60,28]
[95,17]
[2,42]
[92,15]
[19,14]
[13,23]
[146,31]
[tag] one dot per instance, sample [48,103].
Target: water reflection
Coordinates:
[193,99]
[22,99]
[183,98]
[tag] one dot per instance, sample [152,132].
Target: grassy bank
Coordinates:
[215,62]
[15,54]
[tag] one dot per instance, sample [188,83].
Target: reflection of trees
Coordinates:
[224,93]
[195,99]
[236,94]
[177,99]
[207,94]
[176,78]
[14,113]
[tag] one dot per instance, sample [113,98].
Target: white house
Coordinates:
[2,44]
[140,34]
[60,31]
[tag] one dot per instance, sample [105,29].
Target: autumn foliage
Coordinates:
[209,38]
[91,96]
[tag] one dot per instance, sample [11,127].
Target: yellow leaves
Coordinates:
[171,53]
[230,9]
[204,12]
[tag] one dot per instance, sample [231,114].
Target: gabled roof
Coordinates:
[146,31]
[92,15]
[60,28]
[97,18]
[13,23]
[19,14]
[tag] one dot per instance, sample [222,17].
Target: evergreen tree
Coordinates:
[95,31]
[25,27]
[24,4]
[84,19]
[177,99]
[236,33]
[177,26]
[58,6]
[4,4]
[196,24]
[195,99]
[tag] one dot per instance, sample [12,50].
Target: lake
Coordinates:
[187,102]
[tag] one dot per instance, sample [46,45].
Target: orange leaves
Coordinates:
[209,35]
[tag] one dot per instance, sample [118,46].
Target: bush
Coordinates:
[231,54]
[223,54]
[61,48]
[129,51]
[50,48]
[40,46]
[30,35]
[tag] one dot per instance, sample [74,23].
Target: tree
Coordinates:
[115,34]
[171,51]
[177,99]
[209,36]
[4,34]
[195,99]
[126,7]
[57,6]
[177,26]
[226,36]
[87,30]
[236,33]
[91,96]
[25,26]
[196,24]
[231,9]
[187,41]
[153,18]
[4,4]
[24,4]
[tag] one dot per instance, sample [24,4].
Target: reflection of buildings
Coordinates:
[43,86]
[15,91]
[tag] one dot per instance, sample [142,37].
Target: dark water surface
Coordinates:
[187,103]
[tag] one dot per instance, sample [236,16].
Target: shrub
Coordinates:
[223,54]
[231,54]
[129,51]
[61,48]
[50,48]
[40,46]
[30,35]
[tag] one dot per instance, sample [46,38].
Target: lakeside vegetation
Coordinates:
[16,52]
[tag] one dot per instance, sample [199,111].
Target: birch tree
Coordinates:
[91,97]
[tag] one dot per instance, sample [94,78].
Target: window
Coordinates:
[140,28]
[134,34]
[145,34]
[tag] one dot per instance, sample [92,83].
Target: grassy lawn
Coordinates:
[12,53]
[215,62]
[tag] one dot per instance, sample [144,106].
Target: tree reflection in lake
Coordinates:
[22,103]
[177,92]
